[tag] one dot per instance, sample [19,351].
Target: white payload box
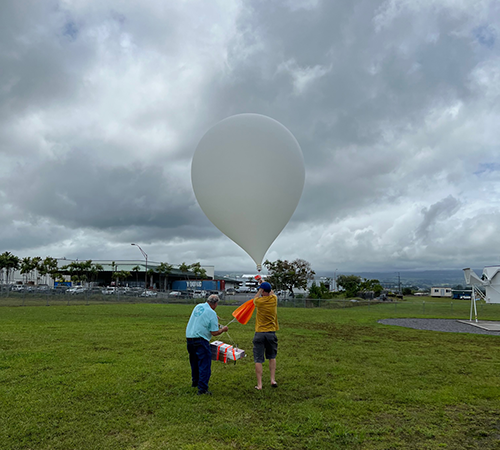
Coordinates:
[224,352]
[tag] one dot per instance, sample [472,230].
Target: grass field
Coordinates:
[116,376]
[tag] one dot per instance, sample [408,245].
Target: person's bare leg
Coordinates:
[272,370]
[258,374]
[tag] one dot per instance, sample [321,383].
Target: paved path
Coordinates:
[483,324]
[446,325]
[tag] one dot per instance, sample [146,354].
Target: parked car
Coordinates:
[175,294]
[134,292]
[76,290]
[95,290]
[108,290]
[149,293]
[230,291]
[123,290]
[199,294]
[185,294]
[61,289]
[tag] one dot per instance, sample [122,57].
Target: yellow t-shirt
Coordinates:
[267,313]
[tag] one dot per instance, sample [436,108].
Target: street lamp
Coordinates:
[146,258]
[335,281]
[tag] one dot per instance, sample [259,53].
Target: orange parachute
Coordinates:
[244,312]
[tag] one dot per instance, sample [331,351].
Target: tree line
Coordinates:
[287,276]
[29,267]
[282,274]
[352,286]
[83,271]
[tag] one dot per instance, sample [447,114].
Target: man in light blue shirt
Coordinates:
[202,325]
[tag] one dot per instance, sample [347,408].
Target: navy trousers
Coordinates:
[200,358]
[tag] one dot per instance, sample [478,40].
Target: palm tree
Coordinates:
[164,269]
[48,267]
[113,270]
[151,273]
[26,267]
[36,261]
[184,268]
[121,275]
[8,262]
[94,270]
[136,269]
[2,265]
[198,270]
[80,271]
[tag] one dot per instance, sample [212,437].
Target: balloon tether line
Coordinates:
[232,342]
[230,338]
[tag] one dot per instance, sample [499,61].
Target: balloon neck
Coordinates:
[259,267]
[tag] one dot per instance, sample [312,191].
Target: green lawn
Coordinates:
[116,376]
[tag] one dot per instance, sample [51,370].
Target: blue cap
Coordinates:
[265,286]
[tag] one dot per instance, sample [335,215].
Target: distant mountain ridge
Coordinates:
[420,278]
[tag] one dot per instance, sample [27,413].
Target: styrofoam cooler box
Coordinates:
[225,352]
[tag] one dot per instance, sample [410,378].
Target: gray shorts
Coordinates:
[265,343]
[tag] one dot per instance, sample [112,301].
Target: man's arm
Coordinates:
[219,331]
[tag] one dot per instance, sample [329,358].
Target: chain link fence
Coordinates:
[407,307]
[52,297]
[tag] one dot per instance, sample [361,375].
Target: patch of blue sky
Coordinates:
[485,35]
[486,168]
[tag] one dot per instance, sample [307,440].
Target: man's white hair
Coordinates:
[214,298]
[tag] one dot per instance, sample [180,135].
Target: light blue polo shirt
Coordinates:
[203,320]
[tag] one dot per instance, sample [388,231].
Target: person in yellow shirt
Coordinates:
[265,341]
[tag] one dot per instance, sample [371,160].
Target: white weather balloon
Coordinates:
[248,176]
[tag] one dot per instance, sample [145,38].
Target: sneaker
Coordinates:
[204,393]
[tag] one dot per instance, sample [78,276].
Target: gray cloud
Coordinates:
[76,192]
[394,103]
[442,210]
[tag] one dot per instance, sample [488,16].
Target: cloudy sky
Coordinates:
[396,106]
